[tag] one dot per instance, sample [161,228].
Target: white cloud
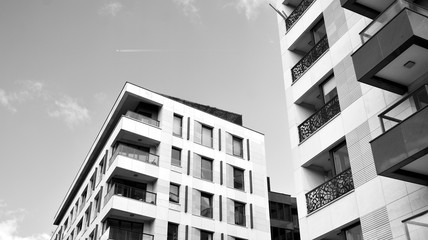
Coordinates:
[9,224]
[250,7]
[70,112]
[189,9]
[28,91]
[111,9]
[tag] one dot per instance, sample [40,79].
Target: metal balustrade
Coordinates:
[297,13]
[130,192]
[310,58]
[116,233]
[319,119]
[142,118]
[329,191]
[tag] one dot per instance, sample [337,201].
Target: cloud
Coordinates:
[9,224]
[111,9]
[100,97]
[189,9]
[70,112]
[28,91]
[250,7]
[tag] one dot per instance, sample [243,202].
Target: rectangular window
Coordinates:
[328,89]
[79,227]
[206,235]
[172,231]
[97,204]
[354,233]
[83,198]
[239,213]
[176,156]
[65,224]
[340,158]
[206,169]
[71,216]
[174,193]
[88,215]
[237,146]
[206,205]
[238,178]
[203,134]
[92,181]
[177,125]
[93,235]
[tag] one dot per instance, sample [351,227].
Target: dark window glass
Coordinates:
[237,146]
[177,125]
[341,159]
[172,231]
[176,156]
[238,178]
[206,169]
[206,235]
[174,193]
[207,136]
[206,205]
[239,213]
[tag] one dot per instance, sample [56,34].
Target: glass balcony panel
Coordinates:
[329,191]
[130,192]
[297,13]
[309,59]
[116,233]
[134,153]
[319,119]
[142,118]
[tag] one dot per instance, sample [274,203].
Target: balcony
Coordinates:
[329,191]
[367,8]
[134,153]
[143,119]
[297,13]
[401,152]
[394,53]
[115,233]
[310,59]
[130,192]
[319,119]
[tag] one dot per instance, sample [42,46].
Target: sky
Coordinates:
[63,64]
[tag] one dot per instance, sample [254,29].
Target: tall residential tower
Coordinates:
[356,75]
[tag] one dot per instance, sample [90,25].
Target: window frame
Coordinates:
[211,161]
[240,141]
[243,178]
[243,205]
[171,193]
[209,235]
[176,116]
[209,197]
[174,227]
[179,154]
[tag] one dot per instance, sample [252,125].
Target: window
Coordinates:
[172,231]
[340,158]
[203,134]
[176,156]
[206,235]
[206,169]
[239,213]
[283,234]
[237,146]
[65,224]
[92,181]
[97,203]
[354,233]
[101,169]
[318,32]
[234,145]
[238,178]
[328,89]
[83,198]
[71,216]
[88,215]
[174,193]
[76,208]
[206,205]
[280,211]
[177,125]
[93,234]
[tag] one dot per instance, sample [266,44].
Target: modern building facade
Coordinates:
[167,169]
[284,221]
[356,75]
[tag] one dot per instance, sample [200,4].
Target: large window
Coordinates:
[174,193]
[239,213]
[177,125]
[340,158]
[172,231]
[234,145]
[280,211]
[206,169]
[176,156]
[354,233]
[328,89]
[283,234]
[238,178]
[203,134]
[206,205]
[206,235]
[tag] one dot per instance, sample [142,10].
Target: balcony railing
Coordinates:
[134,153]
[329,191]
[116,233]
[310,58]
[319,119]
[297,13]
[386,16]
[130,192]
[403,109]
[142,118]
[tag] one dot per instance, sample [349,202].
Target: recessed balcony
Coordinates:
[367,8]
[125,191]
[142,118]
[297,13]
[115,233]
[329,191]
[317,120]
[311,57]
[134,153]
[401,152]
[394,53]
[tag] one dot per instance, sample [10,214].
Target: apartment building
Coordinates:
[356,77]
[284,221]
[166,169]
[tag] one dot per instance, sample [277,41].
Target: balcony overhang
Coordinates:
[402,151]
[367,8]
[382,61]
